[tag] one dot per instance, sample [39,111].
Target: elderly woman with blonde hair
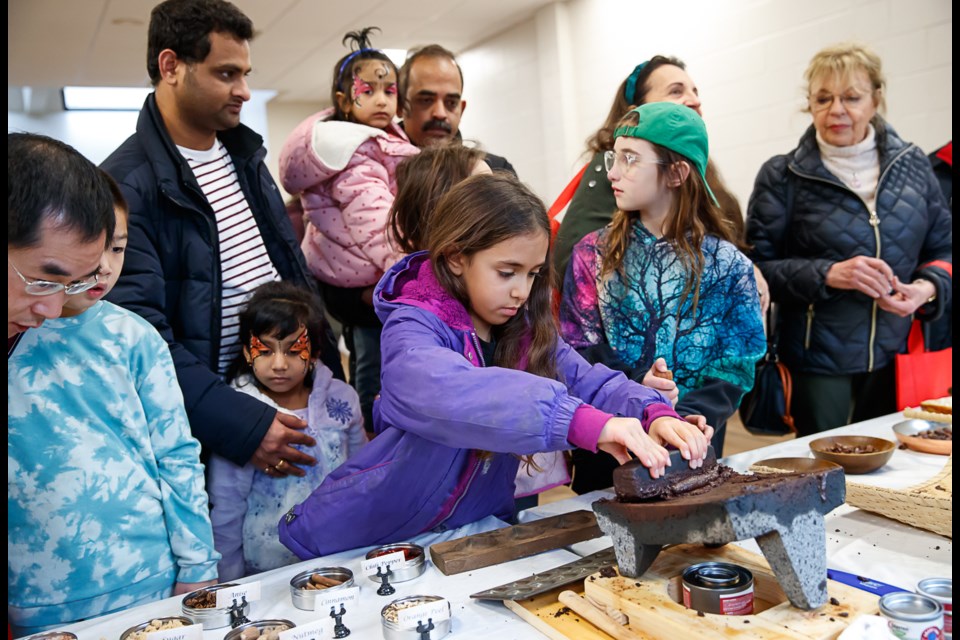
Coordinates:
[854,237]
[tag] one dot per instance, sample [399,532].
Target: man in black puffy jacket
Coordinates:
[207,225]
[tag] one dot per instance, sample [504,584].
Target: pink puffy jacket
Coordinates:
[345,175]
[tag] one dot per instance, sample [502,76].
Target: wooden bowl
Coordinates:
[907,431]
[854,463]
[793,465]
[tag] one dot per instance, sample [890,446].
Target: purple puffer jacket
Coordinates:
[439,405]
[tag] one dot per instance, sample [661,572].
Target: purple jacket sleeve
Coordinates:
[432,390]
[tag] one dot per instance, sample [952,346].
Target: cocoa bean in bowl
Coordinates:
[856,454]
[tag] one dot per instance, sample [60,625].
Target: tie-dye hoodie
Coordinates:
[105,499]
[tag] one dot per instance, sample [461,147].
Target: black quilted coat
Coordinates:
[802,219]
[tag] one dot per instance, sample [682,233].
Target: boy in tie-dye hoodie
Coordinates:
[105,499]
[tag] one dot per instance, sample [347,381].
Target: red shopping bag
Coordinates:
[921,374]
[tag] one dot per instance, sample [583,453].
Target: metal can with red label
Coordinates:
[941,590]
[912,616]
[718,587]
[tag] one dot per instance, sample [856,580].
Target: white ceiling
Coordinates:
[53,43]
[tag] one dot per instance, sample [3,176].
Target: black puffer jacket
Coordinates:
[171,274]
[802,219]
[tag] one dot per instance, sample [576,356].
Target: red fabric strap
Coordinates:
[945,153]
[566,195]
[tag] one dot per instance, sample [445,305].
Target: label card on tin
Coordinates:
[390,561]
[316,630]
[189,632]
[436,610]
[226,596]
[348,597]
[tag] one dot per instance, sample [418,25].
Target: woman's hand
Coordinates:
[907,298]
[871,276]
[690,436]
[666,386]
[622,436]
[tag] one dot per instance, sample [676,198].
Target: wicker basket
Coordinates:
[926,506]
[917,412]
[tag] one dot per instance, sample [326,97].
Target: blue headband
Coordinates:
[343,65]
[631,88]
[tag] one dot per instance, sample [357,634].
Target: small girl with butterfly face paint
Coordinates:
[279,365]
[342,163]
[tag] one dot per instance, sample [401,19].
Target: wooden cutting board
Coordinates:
[653,604]
[519,541]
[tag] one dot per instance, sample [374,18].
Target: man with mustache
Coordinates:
[432,104]
[207,226]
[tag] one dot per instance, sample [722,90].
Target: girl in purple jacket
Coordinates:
[475,375]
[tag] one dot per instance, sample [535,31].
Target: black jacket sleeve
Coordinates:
[224,420]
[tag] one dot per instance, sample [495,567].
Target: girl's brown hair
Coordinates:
[421,182]
[476,214]
[692,216]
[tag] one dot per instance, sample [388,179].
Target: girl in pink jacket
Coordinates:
[342,163]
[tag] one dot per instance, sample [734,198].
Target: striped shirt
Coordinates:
[244,262]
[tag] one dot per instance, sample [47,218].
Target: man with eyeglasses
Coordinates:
[59,219]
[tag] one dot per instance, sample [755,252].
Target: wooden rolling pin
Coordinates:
[596,617]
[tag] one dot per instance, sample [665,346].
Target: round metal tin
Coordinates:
[913,616]
[941,590]
[209,617]
[410,569]
[392,630]
[718,587]
[305,598]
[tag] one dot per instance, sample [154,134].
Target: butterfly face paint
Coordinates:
[280,365]
[374,94]
[302,347]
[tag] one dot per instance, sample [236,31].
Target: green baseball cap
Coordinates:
[675,127]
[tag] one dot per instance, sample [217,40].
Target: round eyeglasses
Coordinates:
[626,160]
[823,101]
[47,288]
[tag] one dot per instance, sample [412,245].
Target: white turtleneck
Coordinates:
[857,166]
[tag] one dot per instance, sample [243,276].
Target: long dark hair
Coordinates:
[360,51]
[278,309]
[476,214]
[692,216]
[422,180]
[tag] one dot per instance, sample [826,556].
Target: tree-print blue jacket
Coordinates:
[631,317]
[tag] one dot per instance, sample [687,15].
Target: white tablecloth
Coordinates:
[471,618]
[857,541]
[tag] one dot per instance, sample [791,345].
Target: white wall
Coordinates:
[284,118]
[747,59]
